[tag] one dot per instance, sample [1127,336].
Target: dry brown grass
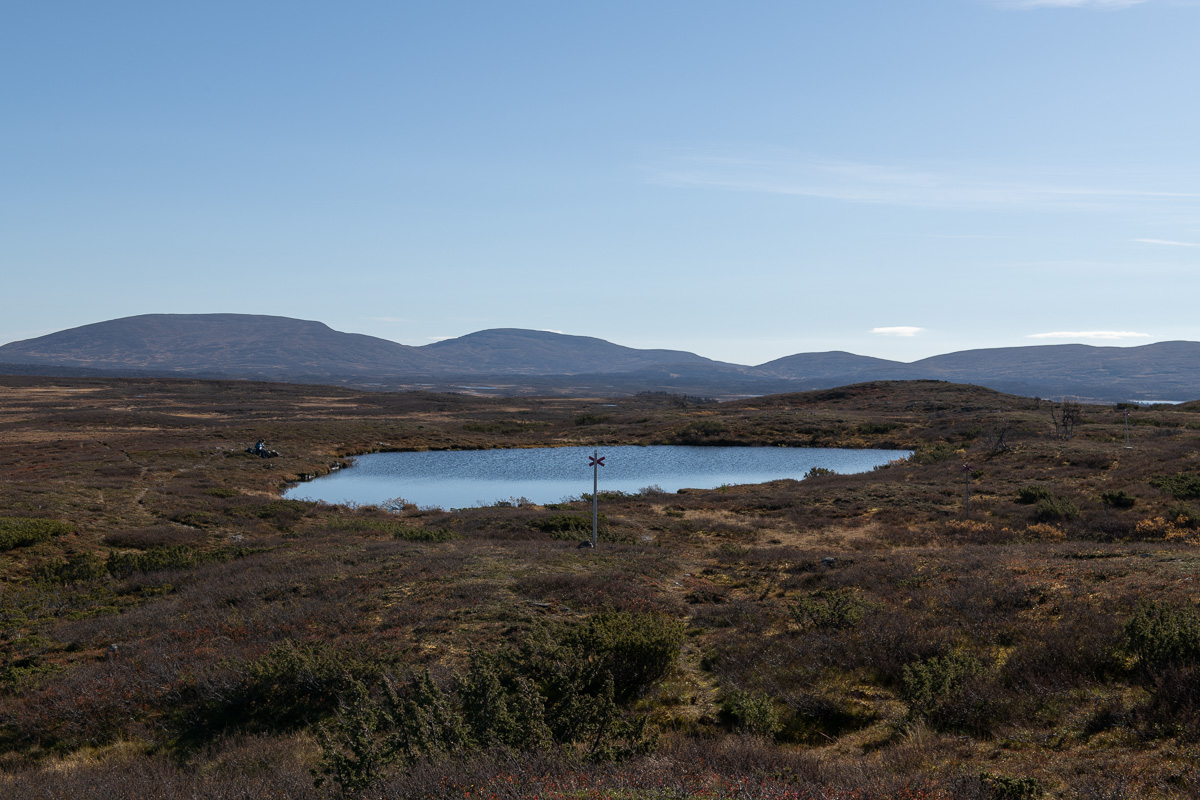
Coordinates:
[1040,605]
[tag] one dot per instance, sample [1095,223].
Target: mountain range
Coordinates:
[516,361]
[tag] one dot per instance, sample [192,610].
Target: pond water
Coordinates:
[464,478]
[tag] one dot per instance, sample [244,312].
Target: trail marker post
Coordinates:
[967,472]
[1128,446]
[595,461]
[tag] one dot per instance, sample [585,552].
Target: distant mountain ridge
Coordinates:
[284,349]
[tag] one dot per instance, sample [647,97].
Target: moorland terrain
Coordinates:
[170,627]
[511,361]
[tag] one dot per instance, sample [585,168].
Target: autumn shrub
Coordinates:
[1184,515]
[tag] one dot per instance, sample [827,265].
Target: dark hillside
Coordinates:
[234,344]
[516,351]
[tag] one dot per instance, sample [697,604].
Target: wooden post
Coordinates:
[967,471]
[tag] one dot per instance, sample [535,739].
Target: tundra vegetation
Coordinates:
[170,627]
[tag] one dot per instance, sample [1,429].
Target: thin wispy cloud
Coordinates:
[898,330]
[890,184]
[1089,335]
[1168,242]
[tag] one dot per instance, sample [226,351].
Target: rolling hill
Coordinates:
[516,361]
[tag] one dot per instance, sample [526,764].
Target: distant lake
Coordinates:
[465,478]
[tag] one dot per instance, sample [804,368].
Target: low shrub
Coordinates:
[1055,509]
[1174,705]
[567,526]
[636,649]
[1181,485]
[559,687]
[23,531]
[1028,495]
[78,568]
[1164,633]
[414,534]
[830,609]
[1119,499]
[754,714]
[291,685]
[1184,516]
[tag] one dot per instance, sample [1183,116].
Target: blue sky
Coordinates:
[743,180]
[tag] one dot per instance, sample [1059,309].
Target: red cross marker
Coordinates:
[593,461]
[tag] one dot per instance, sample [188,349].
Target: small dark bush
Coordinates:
[413,534]
[567,526]
[79,568]
[636,649]
[291,685]
[22,531]
[156,536]
[1055,509]
[817,472]
[830,610]
[122,565]
[1174,706]
[750,713]
[1185,515]
[1028,495]
[1119,499]
[1164,633]
[1181,485]
[878,427]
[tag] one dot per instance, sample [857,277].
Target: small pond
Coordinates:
[464,478]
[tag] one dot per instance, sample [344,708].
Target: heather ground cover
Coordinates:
[170,627]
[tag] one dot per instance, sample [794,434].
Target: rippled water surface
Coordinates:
[463,478]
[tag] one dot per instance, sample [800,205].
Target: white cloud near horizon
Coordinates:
[1089,335]
[950,186]
[898,330]
[1167,242]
